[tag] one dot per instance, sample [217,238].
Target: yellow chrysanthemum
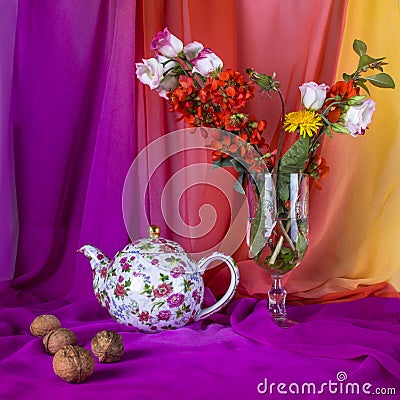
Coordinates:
[308,122]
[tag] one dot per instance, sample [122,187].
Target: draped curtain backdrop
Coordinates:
[73,117]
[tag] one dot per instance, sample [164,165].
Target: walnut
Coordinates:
[73,364]
[57,339]
[107,346]
[44,324]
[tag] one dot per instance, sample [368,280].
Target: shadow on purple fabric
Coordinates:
[336,349]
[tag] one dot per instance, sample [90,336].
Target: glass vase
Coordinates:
[277,233]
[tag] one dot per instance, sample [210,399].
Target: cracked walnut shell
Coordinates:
[57,339]
[107,346]
[44,324]
[73,364]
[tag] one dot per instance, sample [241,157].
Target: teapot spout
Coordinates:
[99,263]
[96,257]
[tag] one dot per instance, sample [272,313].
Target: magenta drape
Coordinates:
[8,211]
[72,136]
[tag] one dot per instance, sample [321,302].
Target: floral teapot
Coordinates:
[153,285]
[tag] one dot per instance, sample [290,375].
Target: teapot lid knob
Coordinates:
[154,231]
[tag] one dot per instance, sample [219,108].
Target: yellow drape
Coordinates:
[369,216]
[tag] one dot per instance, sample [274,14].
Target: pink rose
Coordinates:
[162,290]
[358,117]
[313,95]
[120,290]
[177,271]
[103,272]
[206,62]
[126,267]
[164,315]
[175,300]
[167,44]
[150,72]
[144,316]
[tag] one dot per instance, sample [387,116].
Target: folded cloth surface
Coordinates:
[335,351]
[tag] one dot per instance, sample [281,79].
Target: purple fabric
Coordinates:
[224,358]
[64,156]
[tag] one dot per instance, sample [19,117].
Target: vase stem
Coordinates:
[277,299]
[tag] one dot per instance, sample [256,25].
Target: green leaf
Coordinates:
[238,185]
[365,60]
[363,85]
[222,162]
[163,277]
[346,77]
[339,128]
[301,244]
[157,304]
[239,167]
[359,47]
[381,80]
[293,161]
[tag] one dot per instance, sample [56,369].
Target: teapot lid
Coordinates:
[153,244]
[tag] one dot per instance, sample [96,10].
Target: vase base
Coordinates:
[284,322]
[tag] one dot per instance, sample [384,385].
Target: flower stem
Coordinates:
[281,136]
[327,109]
[276,169]
[276,251]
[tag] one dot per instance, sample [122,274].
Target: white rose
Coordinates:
[168,83]
[313,95]
[150,72]
[206,62]
[168,63]
[192,50]
[358,117]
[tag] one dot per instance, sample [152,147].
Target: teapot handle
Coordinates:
[232,287]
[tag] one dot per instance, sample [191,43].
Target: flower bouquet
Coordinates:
[192,80]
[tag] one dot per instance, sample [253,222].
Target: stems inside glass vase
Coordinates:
[277,233]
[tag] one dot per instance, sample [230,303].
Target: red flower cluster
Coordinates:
[229,145]
[318,169]
[219,102]
[340,91]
